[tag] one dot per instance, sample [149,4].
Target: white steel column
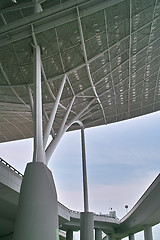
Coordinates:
[47,119]
[85,185]
[86,226]
[148,232]
[39,153]
[86,217]
[61,129]
[37,215]
[53,112]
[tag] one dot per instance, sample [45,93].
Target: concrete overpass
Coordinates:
[144,214]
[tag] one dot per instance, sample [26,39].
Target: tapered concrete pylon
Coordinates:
[37,217]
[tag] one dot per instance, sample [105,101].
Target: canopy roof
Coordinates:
[109,49]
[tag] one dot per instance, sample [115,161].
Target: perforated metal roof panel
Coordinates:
[109,49]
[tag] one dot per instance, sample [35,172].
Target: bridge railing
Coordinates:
[11,167]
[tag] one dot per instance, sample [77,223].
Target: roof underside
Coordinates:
[109,49]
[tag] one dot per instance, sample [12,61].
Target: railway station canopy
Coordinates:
[109,51]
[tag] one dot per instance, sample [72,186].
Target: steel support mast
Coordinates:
[37,217]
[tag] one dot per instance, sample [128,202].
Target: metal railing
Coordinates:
[10,167]
[95,214]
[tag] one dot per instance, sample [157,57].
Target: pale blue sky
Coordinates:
[122,161]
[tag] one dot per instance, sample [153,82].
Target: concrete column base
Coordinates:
[86,226]
[37,217]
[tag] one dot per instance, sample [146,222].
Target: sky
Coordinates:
[122,161]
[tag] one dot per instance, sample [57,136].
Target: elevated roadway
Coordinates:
[10,183]
[145,212]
